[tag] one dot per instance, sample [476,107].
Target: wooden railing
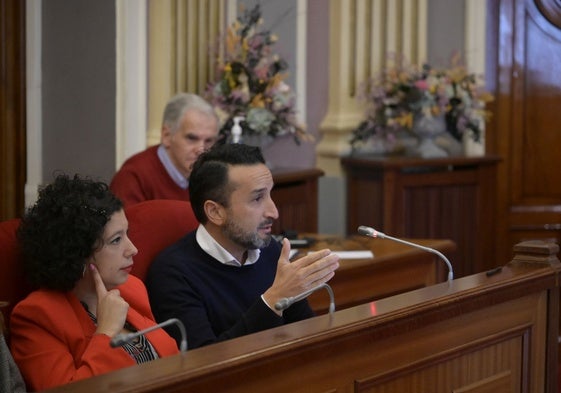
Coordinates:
[484,332]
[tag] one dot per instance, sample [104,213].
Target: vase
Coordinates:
[375,145]
[381,145]
[259,140]
[427,129]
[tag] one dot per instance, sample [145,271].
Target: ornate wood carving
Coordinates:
[551,10]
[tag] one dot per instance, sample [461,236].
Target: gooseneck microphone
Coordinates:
[371,232]
[286,302]
[123,338]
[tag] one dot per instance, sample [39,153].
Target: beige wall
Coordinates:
[78,87]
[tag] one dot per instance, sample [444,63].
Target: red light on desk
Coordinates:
[373,308]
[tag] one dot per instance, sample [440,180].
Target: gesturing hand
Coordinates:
[307,272]
[111,307]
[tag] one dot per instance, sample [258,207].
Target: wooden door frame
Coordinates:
[12,108]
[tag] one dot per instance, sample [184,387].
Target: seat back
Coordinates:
[13,284]
[154,225]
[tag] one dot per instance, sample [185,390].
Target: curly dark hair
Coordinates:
[63,229]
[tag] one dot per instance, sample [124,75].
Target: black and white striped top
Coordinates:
[140,349]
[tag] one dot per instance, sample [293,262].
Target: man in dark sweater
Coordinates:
[223,280]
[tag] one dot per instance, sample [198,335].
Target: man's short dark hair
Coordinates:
[209,176]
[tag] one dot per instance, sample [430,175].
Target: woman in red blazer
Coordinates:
[78,254]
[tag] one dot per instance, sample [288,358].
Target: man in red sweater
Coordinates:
[189,127]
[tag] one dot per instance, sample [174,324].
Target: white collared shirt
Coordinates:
[215,250]
[172,171]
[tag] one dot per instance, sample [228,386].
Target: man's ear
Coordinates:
[165,136]
[215,212]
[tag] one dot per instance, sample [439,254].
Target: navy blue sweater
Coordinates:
[215,302]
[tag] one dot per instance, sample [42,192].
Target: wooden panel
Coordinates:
[433,212]
[524,52]
[449,198]
[12,108]
[365,195]
[539,47]
[296,196]
[471,335]
[525,49]
[501,382]
[470,370]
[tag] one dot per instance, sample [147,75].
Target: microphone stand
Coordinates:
[286,302]
[371,232]
[122,338]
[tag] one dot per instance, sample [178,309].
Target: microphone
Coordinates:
[123,338]
[371,232]
[286,302]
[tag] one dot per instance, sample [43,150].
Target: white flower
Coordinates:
[260,119]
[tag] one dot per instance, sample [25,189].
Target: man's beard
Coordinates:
[248,240]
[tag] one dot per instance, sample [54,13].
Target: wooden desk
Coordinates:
[296,196]
[439,198]
[476,334]
[395,268]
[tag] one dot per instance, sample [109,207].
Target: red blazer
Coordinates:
[53,341]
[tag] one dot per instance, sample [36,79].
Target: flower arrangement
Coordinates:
[399,94]
[251,83]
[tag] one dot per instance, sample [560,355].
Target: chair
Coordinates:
[13,284]
[154,225]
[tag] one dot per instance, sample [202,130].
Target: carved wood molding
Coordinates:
[551,10]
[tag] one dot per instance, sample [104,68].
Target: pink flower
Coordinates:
[422,84]
[401,91]
[250,82]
